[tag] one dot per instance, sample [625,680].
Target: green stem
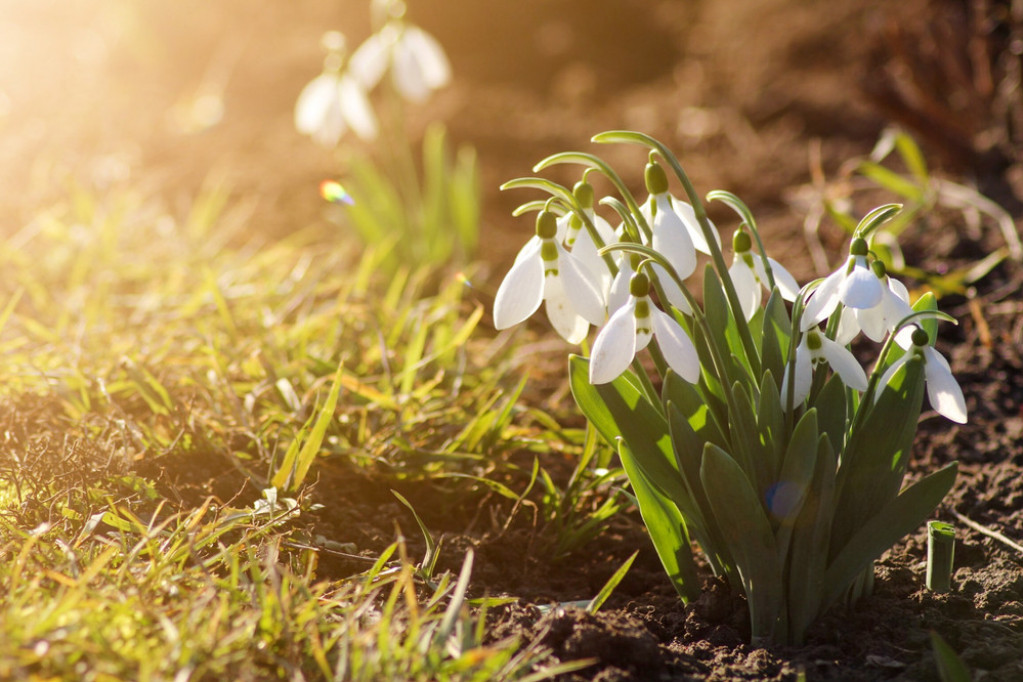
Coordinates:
[941,544]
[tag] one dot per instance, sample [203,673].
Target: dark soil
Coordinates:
[742,89]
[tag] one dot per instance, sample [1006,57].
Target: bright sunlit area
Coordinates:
[551,339]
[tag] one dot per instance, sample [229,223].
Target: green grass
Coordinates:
[132,336]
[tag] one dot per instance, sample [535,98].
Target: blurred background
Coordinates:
[171,94]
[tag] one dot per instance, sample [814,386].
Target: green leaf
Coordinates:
[610,585]
[297,461]
[666,526]
[874,461]
[895,519]
[431,555]
[912,156]
[699,516]
[832,414]
[771,422]
[690,401]
[777,327]
[749,538]
[891,181]
[808,550]
[788,494]
[619,410]
[950,667]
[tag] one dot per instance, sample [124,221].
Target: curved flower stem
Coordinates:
[740,207]
[746,337]
[596,163]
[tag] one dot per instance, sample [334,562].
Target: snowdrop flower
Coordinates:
[577,238]
[749,275]
[545,271]
[854,285]
[815,349]
[943,391]
[630,329]
[878,321]
[334,101]
[416,60]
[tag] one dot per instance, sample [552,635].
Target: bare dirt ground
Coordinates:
[743,90]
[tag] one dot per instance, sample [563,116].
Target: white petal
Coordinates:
[317,111]
[803,378]
[676,346]
[528,249]
[522,290]
[585,250]
[822,301]
[785,282]
[671,238]
[561,311]
[672,290]
[433,63]
[871,321]
[942,389]
[844,363]
[355,108]
[615,346]
[407,73]
[370,60]
[582,286]
[746,286]
[686,212]
[895,307]
[848,327]
[861,288]
[618,294]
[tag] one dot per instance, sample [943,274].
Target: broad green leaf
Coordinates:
[891,181]
[746,446]
[832,412]
[666,526]
[689,400]
[894,520]
[619,410]
[776,325]
[724,334]
[771,422]
[749,538]
[874,462]
[785,499]
[808,551]
[688,448]
[950,667]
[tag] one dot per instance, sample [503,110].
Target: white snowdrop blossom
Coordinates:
[750,277]
[544,271]
[629,331]
[415,59]
[814,349]
[332,103]
[577,238]
[881,319]
[854,285]
[943,391]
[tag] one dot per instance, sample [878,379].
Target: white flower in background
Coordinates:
[545,271]
[415,59]
[815,349]
[333,102]
[880,320]
[750,277]
[629,331]
[854,285]
[943,391]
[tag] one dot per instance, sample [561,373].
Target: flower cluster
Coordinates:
[585,272]
[338,100]
[766,442]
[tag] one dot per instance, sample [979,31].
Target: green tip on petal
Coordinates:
[583,192]
[858,247]
[920,337]
[656,178]
[741,242]
[639,285]
[546,225]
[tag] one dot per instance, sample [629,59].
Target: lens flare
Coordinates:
[334,192]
